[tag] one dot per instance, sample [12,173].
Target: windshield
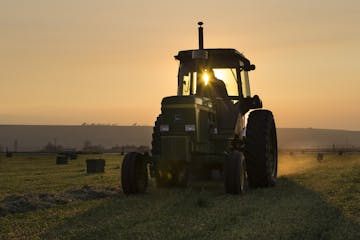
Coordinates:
[228,76]
[190,79]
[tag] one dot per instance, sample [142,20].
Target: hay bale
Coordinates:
[320,156]
[96,165]
[62,159]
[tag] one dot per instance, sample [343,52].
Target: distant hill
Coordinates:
[35,137]
[315,138]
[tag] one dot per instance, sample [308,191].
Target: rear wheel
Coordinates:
[155,143]
[261,149]
[235,173]
[134,173]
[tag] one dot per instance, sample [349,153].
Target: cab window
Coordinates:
[228,76]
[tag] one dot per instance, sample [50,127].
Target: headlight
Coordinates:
[164,128]
[189,127]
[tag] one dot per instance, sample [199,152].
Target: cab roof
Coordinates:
[226,54]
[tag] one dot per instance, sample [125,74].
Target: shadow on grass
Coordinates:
[288,211]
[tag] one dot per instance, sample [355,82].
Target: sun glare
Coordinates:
[206,78]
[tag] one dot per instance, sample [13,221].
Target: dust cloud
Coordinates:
[293,164]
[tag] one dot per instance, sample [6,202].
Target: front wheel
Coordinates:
[134,173]
[235,173]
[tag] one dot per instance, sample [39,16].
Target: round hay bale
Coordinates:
[61,159]
[96,165]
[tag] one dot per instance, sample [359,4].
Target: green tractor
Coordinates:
[202,130]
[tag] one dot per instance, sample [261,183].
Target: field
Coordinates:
[312,200]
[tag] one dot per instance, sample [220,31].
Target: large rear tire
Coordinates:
[155,142]
[235,173]
[261,149]
[134,173]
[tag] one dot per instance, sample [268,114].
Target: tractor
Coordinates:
[213,125]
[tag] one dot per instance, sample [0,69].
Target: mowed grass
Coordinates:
[312,200]
[39,173]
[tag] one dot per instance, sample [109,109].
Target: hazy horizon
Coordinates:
[151,126]
[34,138]
[111,62]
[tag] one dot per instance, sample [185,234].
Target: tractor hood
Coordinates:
[187,116]
[193,101]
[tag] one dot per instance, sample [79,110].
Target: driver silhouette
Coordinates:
[213,88]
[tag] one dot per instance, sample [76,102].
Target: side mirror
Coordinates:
[250,103]
[256,102]
[250,67]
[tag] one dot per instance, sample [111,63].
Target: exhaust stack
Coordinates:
[200,54]
[201,36]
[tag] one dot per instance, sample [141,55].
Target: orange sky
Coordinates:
[68,62]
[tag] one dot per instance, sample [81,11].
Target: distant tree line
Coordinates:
[336,149]
[52,147]
[85,124]
[98,124]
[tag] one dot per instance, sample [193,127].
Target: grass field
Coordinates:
[312,200]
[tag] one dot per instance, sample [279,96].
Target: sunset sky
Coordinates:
[111,61]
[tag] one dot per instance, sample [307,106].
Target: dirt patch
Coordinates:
[31,202]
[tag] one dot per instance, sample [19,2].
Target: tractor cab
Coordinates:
[221,74]
[226,65]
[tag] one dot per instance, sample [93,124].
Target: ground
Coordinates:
[312,200]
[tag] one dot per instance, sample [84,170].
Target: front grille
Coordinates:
[175,148]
